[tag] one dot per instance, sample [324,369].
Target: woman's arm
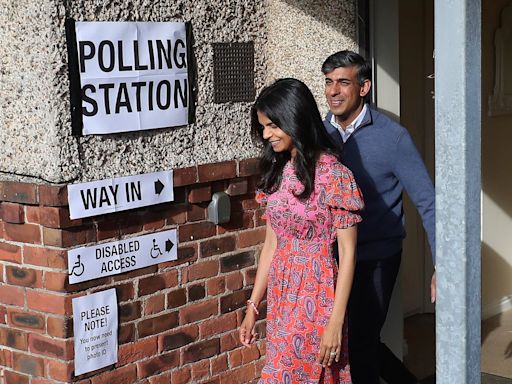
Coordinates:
[247,335]
[332,336]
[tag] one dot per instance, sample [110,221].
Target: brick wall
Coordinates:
[178,320]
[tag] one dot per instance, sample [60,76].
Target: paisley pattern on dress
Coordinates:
[303,272]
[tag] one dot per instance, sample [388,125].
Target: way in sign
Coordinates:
[99,197]
[119,194]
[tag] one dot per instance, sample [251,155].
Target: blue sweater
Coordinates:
[384,161]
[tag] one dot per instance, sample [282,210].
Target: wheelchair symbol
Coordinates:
[78,268]
[155,251]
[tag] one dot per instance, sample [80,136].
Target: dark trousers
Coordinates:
[368,306]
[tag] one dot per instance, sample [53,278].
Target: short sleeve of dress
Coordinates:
[344,198]
[262,198]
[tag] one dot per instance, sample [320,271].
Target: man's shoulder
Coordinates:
[382,120]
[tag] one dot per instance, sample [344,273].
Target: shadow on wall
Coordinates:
[495,269]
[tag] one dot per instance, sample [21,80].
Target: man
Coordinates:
[384,160]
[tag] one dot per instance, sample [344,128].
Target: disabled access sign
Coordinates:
[101,260]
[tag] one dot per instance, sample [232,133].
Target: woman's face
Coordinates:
[277,138]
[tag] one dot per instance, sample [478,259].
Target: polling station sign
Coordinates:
[95,327]
[119,194]
[128,76]
[107,259]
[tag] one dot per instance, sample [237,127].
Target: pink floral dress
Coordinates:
[303,272]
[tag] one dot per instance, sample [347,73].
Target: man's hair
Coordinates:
[348,59]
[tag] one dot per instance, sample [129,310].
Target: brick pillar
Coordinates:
[178,320]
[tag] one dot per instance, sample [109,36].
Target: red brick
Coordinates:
[201,350]
[199,194]
[158,364]
[176,298]
[154,305]
[196,231]
[49,303]
[219,364]
[186,254]
[218,325]
[12,213]
[59,370]
[107,229]
[161,379]
[217,246]
[237,261]
[5,358]
[70,237]
[181,376]
[200,370]
[214,380]
[158,324]
[235,358]
[11,295]
[125,292]
[239,220]
[51,347]
[126,333]
[249,167]
[201,270]
[15,378]
[14,338]
[251,237]
[31,365]
[10,252]
[122,375]
[56,281]
[184,176]
[25,277]
[130,353]
[243,374]
[52,217]
[24,233]
[179,338]
[53,195]
[17,192]
[45,257]
[258,217]
[3,315]
[216,171]
[250,276]
[59,327]
[250,354]
[158,282]
[199,311]
[237,187]
[26,320]
[216,286]
[250,203]
[234,281]
[234,300]
[229,341]
[42,381]
[176,214]
[130,311]
[153,220]
[196,212]
[196,292]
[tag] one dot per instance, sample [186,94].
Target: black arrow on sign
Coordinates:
[168,245]
[158,186]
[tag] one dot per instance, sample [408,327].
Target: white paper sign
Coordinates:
[95,328]
[87,263]
[133,75]
[119,194]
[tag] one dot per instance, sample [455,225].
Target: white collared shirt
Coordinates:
[345,133]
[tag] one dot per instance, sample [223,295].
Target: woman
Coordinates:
[311,200]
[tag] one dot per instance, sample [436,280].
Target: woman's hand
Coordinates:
[330,344]
[247,333]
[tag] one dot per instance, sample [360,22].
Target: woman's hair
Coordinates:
[290,105]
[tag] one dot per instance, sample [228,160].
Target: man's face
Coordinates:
[344,94]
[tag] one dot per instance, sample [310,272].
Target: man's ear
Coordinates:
[365,88]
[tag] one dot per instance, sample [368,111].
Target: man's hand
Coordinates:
[433,288]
